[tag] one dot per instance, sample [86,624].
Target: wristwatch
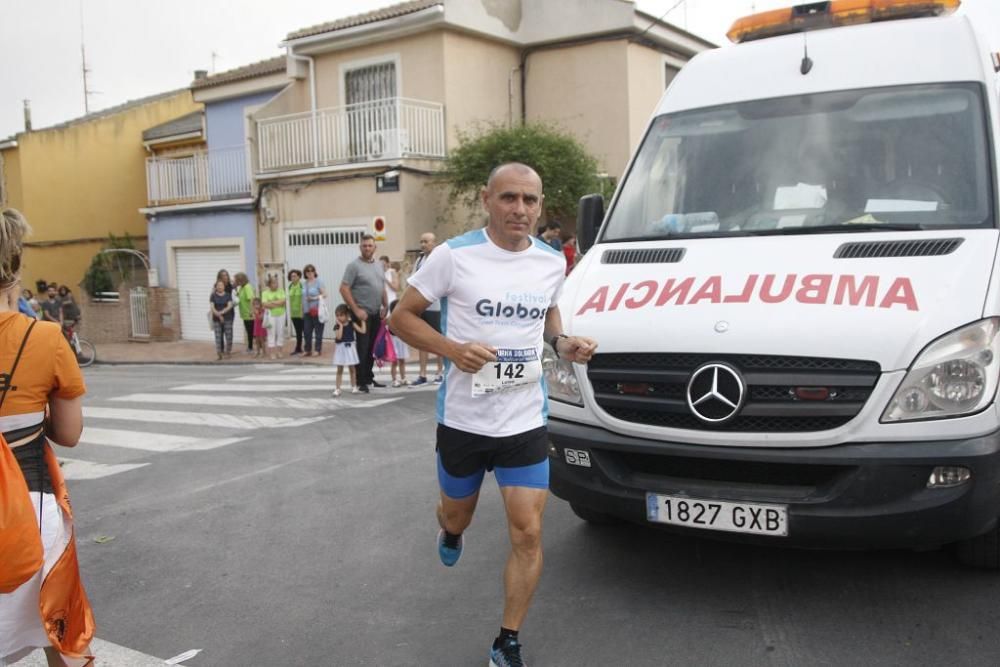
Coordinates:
[554,342]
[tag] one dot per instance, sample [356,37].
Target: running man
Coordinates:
[499,289]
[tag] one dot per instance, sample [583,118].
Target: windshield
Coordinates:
[909,157]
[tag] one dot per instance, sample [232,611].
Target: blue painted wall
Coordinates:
[225,120]
[202,225]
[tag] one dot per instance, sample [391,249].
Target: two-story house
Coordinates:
[79,181]
[201,209]
[377,100]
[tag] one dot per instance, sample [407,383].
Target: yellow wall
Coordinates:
[84,181]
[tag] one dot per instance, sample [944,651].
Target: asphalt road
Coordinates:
[311,542]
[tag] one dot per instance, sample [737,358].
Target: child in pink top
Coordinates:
[259,331]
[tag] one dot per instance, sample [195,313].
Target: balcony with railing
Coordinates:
[202,177]
[385,129]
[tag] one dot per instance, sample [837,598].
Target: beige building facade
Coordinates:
[376,101]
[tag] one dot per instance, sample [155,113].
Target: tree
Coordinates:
[567,170]
[108,271]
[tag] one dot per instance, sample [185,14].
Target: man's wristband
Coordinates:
[554,342]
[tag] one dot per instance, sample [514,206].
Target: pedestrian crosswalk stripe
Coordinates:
[253,401]
[257,387]
[299,377]
[151,442]
[305,370]
[77,469]
[287,388]
[242,422]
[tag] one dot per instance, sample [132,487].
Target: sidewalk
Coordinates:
[203,352]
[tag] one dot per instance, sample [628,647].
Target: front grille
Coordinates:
[649,388]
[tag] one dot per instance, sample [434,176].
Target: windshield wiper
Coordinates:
[838,229]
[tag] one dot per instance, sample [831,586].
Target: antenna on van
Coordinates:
[807,64]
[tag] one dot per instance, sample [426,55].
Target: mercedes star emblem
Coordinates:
[716,392]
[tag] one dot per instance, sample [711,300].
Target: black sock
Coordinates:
[451,541]
[504,636]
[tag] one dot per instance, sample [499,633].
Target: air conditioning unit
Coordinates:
[386,144]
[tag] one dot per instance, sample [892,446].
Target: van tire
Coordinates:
[982,551]
[593,516]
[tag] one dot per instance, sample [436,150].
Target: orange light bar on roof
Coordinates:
[832,14]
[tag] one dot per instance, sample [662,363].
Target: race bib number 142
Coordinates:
[514,369]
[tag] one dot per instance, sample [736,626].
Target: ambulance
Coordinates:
[796,296]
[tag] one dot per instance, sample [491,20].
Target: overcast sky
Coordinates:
[137,48]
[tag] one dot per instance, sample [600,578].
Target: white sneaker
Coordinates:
[397,383]
[355,390]
[335,393]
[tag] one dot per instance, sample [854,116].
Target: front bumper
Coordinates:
[849,496]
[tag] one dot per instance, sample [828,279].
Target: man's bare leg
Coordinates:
[455,515]
[524,565]
[422,357]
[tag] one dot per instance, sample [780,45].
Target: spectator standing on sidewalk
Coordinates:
[432,315]
[295,307]
[70,311]
[363,289]
[313,292]
[52,306]
[36,308]
[550,234]
[223,275]
[569,252]
[245,294]
[222,318]
[273,298]
[392,284]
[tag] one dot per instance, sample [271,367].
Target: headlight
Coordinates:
[955,375]
[560,378]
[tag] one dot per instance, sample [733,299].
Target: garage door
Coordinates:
[196,269]
[330,250]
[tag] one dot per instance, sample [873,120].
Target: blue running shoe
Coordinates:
[507,654]
[419,381]
[449,556]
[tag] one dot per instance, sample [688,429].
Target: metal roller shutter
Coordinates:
[196,269]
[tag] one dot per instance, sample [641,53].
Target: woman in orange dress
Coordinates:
[42,405]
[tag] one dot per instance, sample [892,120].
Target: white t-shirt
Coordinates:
[390,294]
[500,298]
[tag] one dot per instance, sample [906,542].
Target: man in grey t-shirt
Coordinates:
[363,290]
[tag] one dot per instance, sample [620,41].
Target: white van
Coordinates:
[796,295]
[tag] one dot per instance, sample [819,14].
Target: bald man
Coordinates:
[499,289]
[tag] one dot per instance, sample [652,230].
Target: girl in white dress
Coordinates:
[402,353]
[346,352]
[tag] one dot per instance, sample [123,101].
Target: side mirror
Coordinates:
[589,217]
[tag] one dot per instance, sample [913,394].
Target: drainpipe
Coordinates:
[312,100]
[510,96]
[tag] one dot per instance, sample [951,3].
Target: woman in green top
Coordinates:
[295,306]
[245,295]
[272,298]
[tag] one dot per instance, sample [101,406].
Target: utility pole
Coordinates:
[214,57]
